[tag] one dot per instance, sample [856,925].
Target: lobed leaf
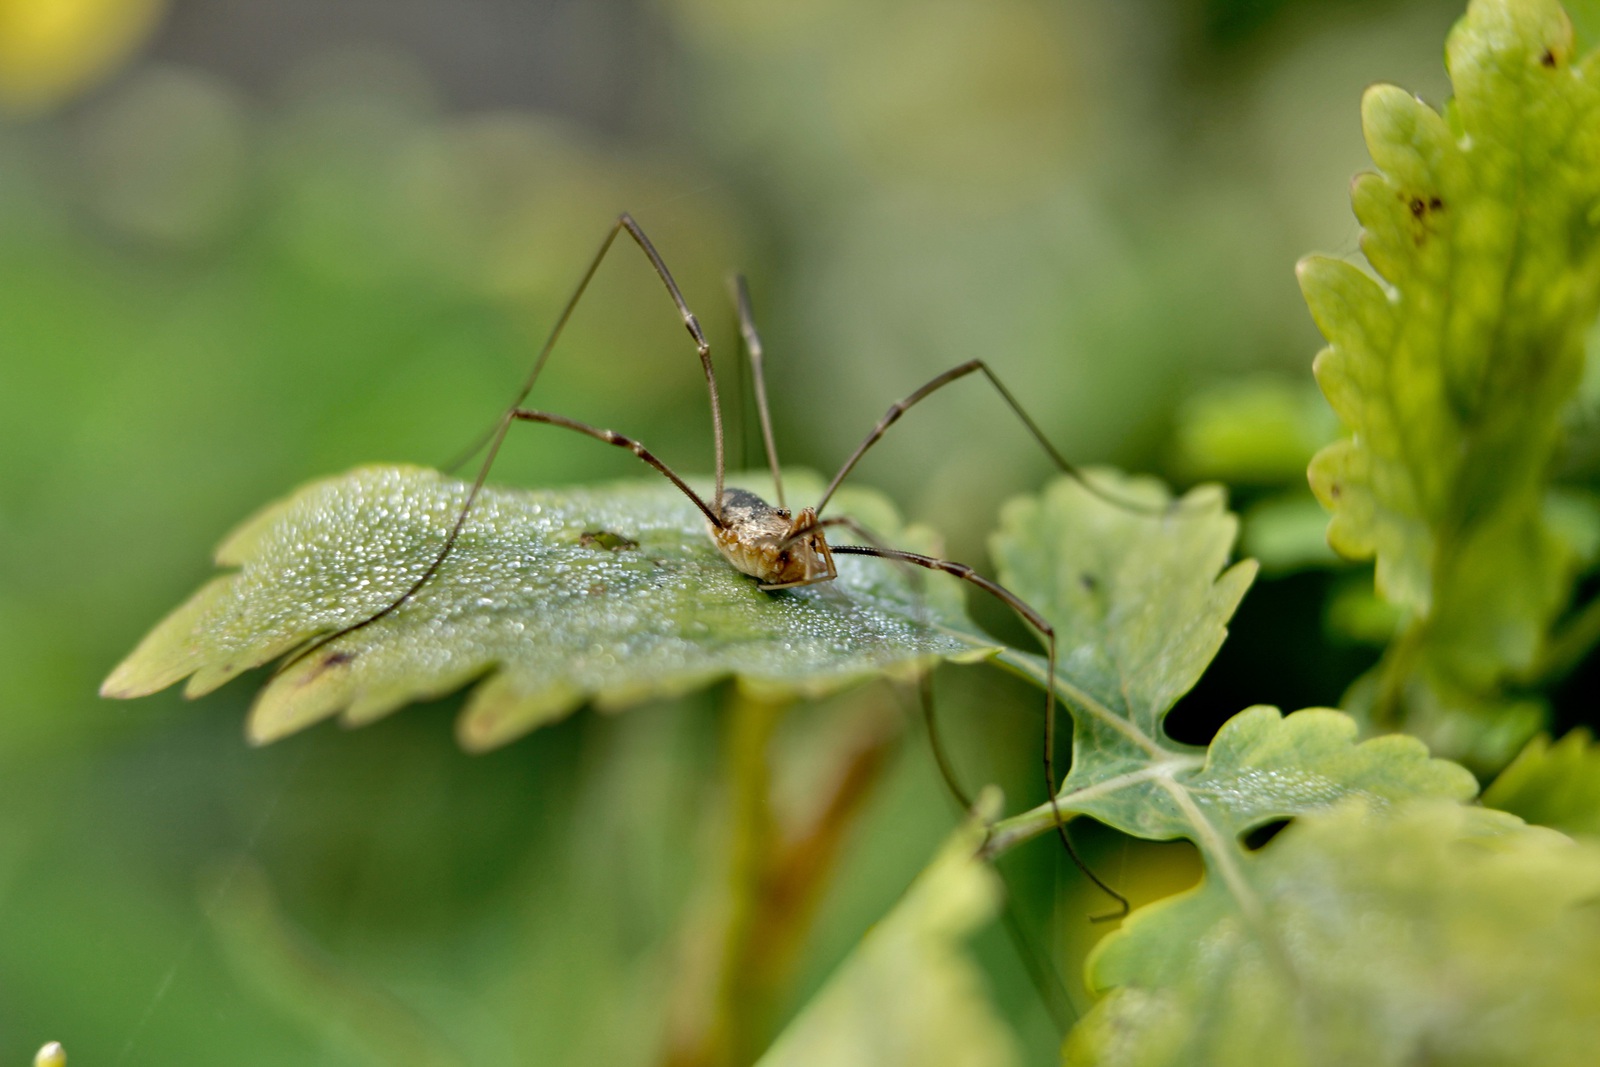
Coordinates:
[1453,371]
[1140,601]
[1137,595]
[1428,932]
[549,599]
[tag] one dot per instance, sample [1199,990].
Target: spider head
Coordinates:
[803,557]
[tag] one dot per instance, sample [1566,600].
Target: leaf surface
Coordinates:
[549,599]
[1424,933]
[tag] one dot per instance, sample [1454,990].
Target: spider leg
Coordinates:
[496,436]
[1048,633]
[956,373]
[752,345]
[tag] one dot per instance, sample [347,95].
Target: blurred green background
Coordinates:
[243,245]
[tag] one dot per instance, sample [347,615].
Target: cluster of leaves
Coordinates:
[1456,368]
[1454,378]
[1392,922]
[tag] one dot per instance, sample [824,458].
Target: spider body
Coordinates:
[778,549]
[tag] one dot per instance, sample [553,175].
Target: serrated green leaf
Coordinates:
[544,615]
[1453,373]
[1135,596]
[909,995]
[1263,766]
[1428,933]
[1140,603]
[1553,784]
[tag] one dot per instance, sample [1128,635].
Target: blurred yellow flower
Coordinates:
[50,49]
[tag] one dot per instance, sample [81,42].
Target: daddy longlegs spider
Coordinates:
[776,547]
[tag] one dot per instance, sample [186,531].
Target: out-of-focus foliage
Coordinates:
[1251,431]
[910,996]
[1259,433]
[50,49]
[268,953]
[1453,372]
[1552,784]
[246,262]
[1364,935]
[608,596]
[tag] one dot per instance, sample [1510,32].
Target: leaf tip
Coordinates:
[119,684]
[140,674]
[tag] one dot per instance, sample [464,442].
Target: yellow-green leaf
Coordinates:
[1453,371]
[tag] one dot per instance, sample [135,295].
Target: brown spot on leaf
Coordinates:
[1549,58]
[328,662]
[612,542]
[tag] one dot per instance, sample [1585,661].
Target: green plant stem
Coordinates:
[775,881]
[745,994]
[1009,833]
[1394,673]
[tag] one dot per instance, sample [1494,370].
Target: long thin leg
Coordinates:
[1045,630]
[900,407]
[612,437]
[1046,982]
[941,758]
[496,437]
[752,344]
[623,224]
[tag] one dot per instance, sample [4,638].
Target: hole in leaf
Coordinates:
[1258,838]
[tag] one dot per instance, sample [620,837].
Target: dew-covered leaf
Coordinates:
[1553,784]
[1423,933]
[1453,367]
[612,594]
[909,995]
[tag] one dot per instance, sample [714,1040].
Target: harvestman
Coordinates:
[779,549]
